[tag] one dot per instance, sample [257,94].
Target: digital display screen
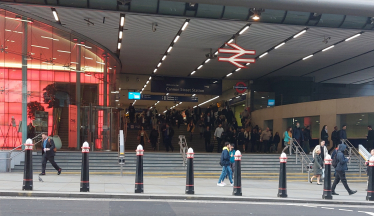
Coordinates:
[134,95]
[271,102]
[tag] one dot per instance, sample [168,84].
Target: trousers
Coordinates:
[51,159]
[340,176]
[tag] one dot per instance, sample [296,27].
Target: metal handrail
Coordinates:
[304,157]
[183,148]
[353,151]
[9,157]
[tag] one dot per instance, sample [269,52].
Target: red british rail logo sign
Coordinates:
[238,52]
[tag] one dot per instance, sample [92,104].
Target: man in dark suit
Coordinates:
[168,134]
[48,153]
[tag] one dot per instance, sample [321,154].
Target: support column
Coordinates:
[24,81]
[105,104]
[78,93]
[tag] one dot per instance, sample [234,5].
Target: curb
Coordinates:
[178,197]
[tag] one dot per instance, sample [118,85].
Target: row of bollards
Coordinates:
[190,189]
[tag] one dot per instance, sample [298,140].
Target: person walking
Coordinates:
[343,134]
[297,134]
[232,158]
[225,163]
[142,136]
[317,166]
[340,171]
[48,154]
[153,137]
[265,139]
[370,139]
[191,128]
[247,138]
[218,136]
[307,137]
[334,138]
[323,153]
[207,137]
[325,134]
[241,140]
[288,138]
[276,140]
[168,134]
[200,123]
[131,113]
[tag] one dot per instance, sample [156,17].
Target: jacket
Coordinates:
[342,134]
[318,164]
[225,157]
[153,136]
[189,127]
[335,137]
[145,136]
[276,139]
[241,138]
[287,137]
[298,134]
[370,135]
[51,145]
[324,135]
[342,161]
[232,156]
[171,133]
[325,152]
[306,134]
[207,135]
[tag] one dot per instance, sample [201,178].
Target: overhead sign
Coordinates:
[238,51]
[134,95]
[271,102]
[168,98]
[240,87]
[186,85]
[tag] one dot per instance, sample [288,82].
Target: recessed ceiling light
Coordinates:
[228,74]
[199,67]
[279,45]
[164,57]
[330,47]
[120,35]
[159,64]
[300,33]
[184,26]
[231,40]
[176,38]
[309,56]
[348,39]
[206,61]
[193,72]
[122,21]
[169,49]
[154,71]
[263,55]
[244,29]
[119,46]
[238,69]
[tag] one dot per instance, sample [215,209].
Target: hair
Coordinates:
[370,127]
[307,127]
[227,143]
[289,128]
[44,134]
[232,145]
[344,126]
[324,127]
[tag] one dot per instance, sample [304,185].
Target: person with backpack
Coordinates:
[225,163]
[341,167]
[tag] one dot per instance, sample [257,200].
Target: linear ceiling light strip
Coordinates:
[55,15]
[273,48]
[168,50]
[120,32]
[241,31]
[207,101]
[309,56]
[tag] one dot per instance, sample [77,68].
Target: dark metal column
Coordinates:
[78,93]
[24,81]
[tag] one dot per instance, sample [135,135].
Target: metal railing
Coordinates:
[300,154]
[183,148]
[10,157]
[354,154]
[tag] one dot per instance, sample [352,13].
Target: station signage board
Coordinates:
[182,85]
[168,98]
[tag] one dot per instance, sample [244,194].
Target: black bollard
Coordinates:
[190,189]
[139,170]
[237,190]
[85,170]
[370,192]
[282,190]
[327,181]
[27,170]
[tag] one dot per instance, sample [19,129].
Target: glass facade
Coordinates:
[52,59]
[356,124]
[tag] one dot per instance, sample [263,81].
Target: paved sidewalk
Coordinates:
[116,185]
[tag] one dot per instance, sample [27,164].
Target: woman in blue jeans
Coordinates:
[225,163]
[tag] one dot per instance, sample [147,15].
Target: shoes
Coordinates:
[310,181]
[59,171]
[42,174]
[232,184]
[319,184]
[220,184]
[223,183]
[333,193]
[352,192]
